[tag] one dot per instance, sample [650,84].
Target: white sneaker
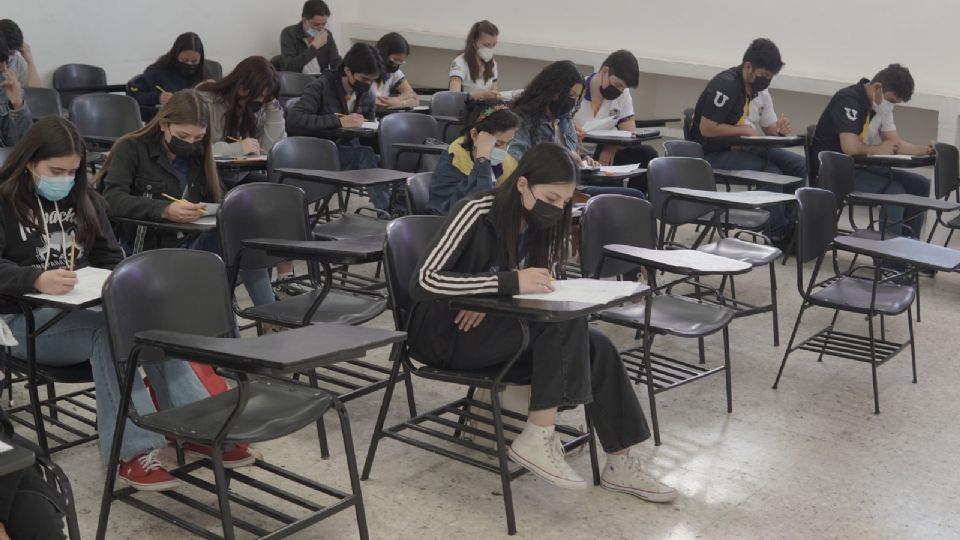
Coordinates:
[623,474]
[540,451]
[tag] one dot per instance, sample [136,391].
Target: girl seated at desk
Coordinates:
[344,99]
[53,222]
[181,67]
[394,91]
[511,241]
[245,116]
[478,160]
[170,158]
[474,70]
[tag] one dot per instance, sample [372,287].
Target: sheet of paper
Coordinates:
[240,158]
[420,108]
[211,209]
[4,447]
[89,284]
[682,258]
[207,220]
[604,123]
[771,137]
[892,156]
[370,125]
[586,291]
[619,133]
[619,169]
[756,197]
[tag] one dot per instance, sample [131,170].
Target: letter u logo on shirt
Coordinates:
[721,99]
[851,114]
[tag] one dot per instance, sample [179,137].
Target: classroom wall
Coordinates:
[124,37]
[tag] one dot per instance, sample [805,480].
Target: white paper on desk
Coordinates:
[370,125]
[619,169]
[207,220]
[4,447]
[89,284]
[585,291]
[420,108]
[211,208]
[603,123]
[770,137]
[691,259]
[240,158]
[618,133]
[891,156]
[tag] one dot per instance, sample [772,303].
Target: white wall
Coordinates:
[124,37]
[823,39]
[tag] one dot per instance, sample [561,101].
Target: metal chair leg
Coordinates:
[384,407]
[411,401]
[774,310]
[873,365]
[462,419]
[651,391]
[913,350]
[701,351]
[833,322]
[352,468]
[51,397]
[223,497]
[786,353]
[321,429]
[504,463]
[726,368]
[594,462]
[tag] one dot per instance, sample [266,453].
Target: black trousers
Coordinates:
[642,154]
[31,516]
[570,363]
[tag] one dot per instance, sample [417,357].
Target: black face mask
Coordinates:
[360,87]
[187,69]
[184,149]
[760,84]
[543,215]
[392,68]
[610,92]
[253,107]
[562,106]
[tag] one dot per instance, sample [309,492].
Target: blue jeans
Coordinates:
[772,160]
[256,281]
[82,335]
[353,158]
[886,180]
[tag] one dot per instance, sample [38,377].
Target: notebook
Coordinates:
[370,125]
[89,286]
[585,291]
[604,123]
[892,156]
[619,133]
[619,169]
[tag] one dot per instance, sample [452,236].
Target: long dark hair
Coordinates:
[470,50]
[545,163]
[184,107]
[256,76]
[553,81]
[188,41]
[392,43]
[489,116]
[50,137]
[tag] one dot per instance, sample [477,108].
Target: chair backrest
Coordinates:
[408,239]
[688,123]
[43,102]
[292,83]
[684,172]
[418,193]
[816,223]
[304,153]
[614,219]
[447,103]
[288,103]
[691,149]
[946,172]
[405,127]
[809,157]
[213,68]
[105,115]
[260,210]
[836,175]
[77,76]
[186,291]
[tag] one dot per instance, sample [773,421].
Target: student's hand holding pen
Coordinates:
[56,281]
[352,120]
[182,211]
[783,125]
[534,280]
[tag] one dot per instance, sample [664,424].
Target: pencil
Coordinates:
[160,88]
[170,197]
[233,139]
[73,250]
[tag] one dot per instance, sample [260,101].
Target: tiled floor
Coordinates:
[809,460]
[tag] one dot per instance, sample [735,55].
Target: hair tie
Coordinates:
[489,111]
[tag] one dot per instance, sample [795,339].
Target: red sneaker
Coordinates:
[146,473]
[238,456]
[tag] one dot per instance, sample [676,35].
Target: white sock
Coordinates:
[535,430]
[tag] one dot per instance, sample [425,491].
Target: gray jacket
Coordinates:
[270,126]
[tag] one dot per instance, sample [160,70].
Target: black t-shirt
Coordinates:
[725,101]
[849,111]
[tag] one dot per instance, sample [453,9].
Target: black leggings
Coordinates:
[32,516]
[571,364]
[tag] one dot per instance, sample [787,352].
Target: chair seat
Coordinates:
[519,374]
[740,250]
[851,293]
[75,373]
[274,409]
[741,219]
[351,226]
[867,233]
[337,307]
[673,315]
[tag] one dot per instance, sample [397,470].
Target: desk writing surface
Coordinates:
[755,199]
[89,284]
[687,260]
[540,310]
[912,252]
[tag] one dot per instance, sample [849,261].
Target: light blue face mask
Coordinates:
[54,188]
[497,155]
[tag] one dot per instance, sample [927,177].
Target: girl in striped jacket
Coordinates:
[509,241]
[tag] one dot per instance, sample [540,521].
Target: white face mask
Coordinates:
[497,155]
[885,108]
[485,53]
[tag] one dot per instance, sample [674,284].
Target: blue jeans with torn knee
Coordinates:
[894,181]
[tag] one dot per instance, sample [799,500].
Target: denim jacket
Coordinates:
[13,124]
[538,129]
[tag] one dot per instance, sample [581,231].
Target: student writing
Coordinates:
[474,70]
[181,67]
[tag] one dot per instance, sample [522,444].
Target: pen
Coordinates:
[160,88]
[73,250]
[233,139]
[170,197]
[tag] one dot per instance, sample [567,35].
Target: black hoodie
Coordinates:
[24,249]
